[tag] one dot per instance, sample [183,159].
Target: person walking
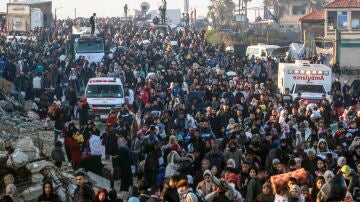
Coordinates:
[57,154]
[83,115]
[124,159]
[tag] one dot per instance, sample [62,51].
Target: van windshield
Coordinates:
[270,50]
[89,46]
[306,88]
[104,91]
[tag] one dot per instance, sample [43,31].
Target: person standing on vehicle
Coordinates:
[92,23]
[126,10]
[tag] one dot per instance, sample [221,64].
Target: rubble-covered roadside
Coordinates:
[23,161]
[25,157]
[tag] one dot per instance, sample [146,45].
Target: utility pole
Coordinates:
[75,13]
[56,15]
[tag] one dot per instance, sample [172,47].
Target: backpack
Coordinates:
[199,196]
[95,145]
[171,167]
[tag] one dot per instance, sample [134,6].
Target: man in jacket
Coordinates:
[84,190]
[338,102]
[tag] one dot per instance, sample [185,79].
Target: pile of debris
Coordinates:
[25,158]
[25,166]
[23,161]
[25,153]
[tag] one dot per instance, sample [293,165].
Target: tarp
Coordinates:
[298,50]
[328,53]
[231,73]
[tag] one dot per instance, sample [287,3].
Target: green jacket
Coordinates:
[254,188]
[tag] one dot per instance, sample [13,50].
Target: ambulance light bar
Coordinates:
[103,81]
[87,36]
[308,72]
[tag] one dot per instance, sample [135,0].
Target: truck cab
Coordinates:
[103,95]
[309,91]
[311,80]
[82,43]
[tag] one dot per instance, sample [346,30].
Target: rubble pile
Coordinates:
[20,122]
[27,168]
[25,157]
[22,158]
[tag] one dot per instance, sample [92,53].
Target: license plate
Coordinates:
[103,116]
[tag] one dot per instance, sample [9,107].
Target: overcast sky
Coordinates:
[110,8]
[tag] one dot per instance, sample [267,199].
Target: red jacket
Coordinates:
[74,150]
[145,96]
[112,120]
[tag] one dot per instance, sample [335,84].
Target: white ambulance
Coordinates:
[311,80]
[104,94]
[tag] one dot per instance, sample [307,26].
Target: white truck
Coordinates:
[82,43]
[103,95]
[260,50]
[311,80]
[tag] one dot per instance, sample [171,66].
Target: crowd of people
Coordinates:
[189,132]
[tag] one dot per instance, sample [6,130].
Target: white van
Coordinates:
[260,50]
[311,80]
[104,94]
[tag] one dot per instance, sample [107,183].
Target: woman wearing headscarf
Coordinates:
[125,160]
[328,175]
[266,194]
[172,145]
[74,149]
[341,161]
[295,192]
[354,143]
[11,191]
[322,146]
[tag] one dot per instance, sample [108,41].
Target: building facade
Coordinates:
[342,23]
